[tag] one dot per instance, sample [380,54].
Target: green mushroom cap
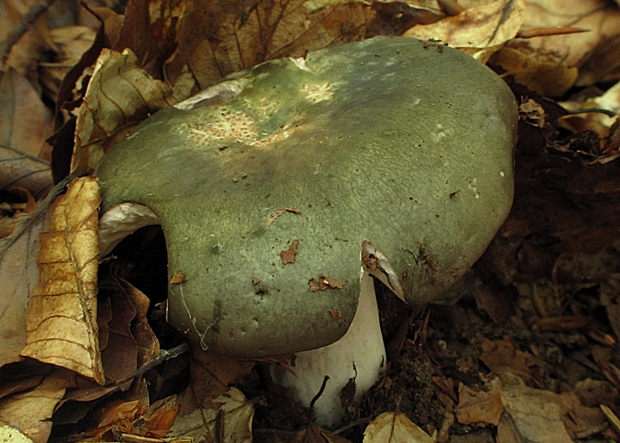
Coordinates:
[403,146]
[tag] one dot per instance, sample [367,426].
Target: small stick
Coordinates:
[162,357]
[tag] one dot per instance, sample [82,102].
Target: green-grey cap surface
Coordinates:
[401,143]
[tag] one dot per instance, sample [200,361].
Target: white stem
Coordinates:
[362,346]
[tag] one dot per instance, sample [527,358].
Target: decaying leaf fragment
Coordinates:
[119,93]
[62,311]
[394,427]
[324,283]
[177,278]
[277,213]
[288,255]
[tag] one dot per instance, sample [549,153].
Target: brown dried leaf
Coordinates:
[126,340]
[479,406]
[72,42]
[177,278]
[501,357]
[480,30]
[288,255]
[26,382]
[119,415]
[148,343]
[394,427]
[119,94]
[595,48]
[537,416]
[119,355]
[550,65]
[25,122]
[18,269]
[62,316]
[29,48]
[545,72]
[31,411]
[160,418]
[24,171]
[212,374]
[194,44]
[219,38]
[230,413]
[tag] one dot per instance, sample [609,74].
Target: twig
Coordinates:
[607,112]
[20,29]
[162,357]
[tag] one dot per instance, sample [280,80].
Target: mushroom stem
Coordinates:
[358,355]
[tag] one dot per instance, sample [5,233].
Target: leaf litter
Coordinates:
[528,344]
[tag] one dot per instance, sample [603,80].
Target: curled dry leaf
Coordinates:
[119,94]
[479,30]
[395,427]
[62,316]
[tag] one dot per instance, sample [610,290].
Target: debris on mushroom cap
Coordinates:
[288,255]
[371,139]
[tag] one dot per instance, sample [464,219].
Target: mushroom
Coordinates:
[389,157]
